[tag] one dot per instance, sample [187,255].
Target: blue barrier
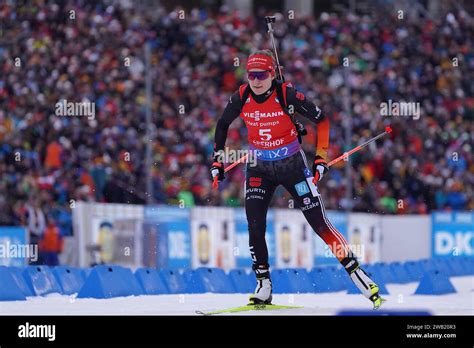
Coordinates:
[127,274]
[9,290]
[41,280]
[322,279]
[466,264]
[193,286]
[429,265]
[443,265]
[279,282]
[17,274]
[447,264]
[414,270]
[457,266]
[241,281]
[319,280]
[384,271]
[469,262]
[337,278]
[206,279]
[451,265]
[253,279]
[328,279]
[292,280]
[426,266]
[69,278]
[435,282]
[399,272]
[174,281]
[85,272]
[110,281]
[188,276]
[150,281]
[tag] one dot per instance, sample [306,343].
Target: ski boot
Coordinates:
[363,282]
[376,299]
[263,291]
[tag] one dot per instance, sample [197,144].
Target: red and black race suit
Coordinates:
[270,131]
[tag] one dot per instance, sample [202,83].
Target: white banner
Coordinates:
[101,228]
[212,234]
[365,236]
[294,239]
[405,238]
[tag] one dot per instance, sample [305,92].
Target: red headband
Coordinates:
[260,61]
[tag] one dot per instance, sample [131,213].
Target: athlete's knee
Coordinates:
[257,228]
[318,223]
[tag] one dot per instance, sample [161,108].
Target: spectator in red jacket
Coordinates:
[51,243]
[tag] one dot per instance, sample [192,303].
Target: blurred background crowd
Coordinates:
[93,51]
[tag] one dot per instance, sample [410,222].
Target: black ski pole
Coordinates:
[269,20]
[300,128]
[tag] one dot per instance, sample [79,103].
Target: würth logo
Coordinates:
[255,182]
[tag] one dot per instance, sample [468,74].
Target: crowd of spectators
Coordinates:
[94,51]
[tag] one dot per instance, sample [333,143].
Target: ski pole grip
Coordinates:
[270,19]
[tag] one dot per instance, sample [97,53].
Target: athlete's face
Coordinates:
[257,85]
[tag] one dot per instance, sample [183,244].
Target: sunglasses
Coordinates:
[259,75]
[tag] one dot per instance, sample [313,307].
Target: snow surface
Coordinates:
[401,298]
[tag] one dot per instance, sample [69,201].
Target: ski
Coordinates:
[251,307]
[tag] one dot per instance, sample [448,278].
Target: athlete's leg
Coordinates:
[259,190]
[299,184]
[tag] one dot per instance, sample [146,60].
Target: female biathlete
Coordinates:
[273,137]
